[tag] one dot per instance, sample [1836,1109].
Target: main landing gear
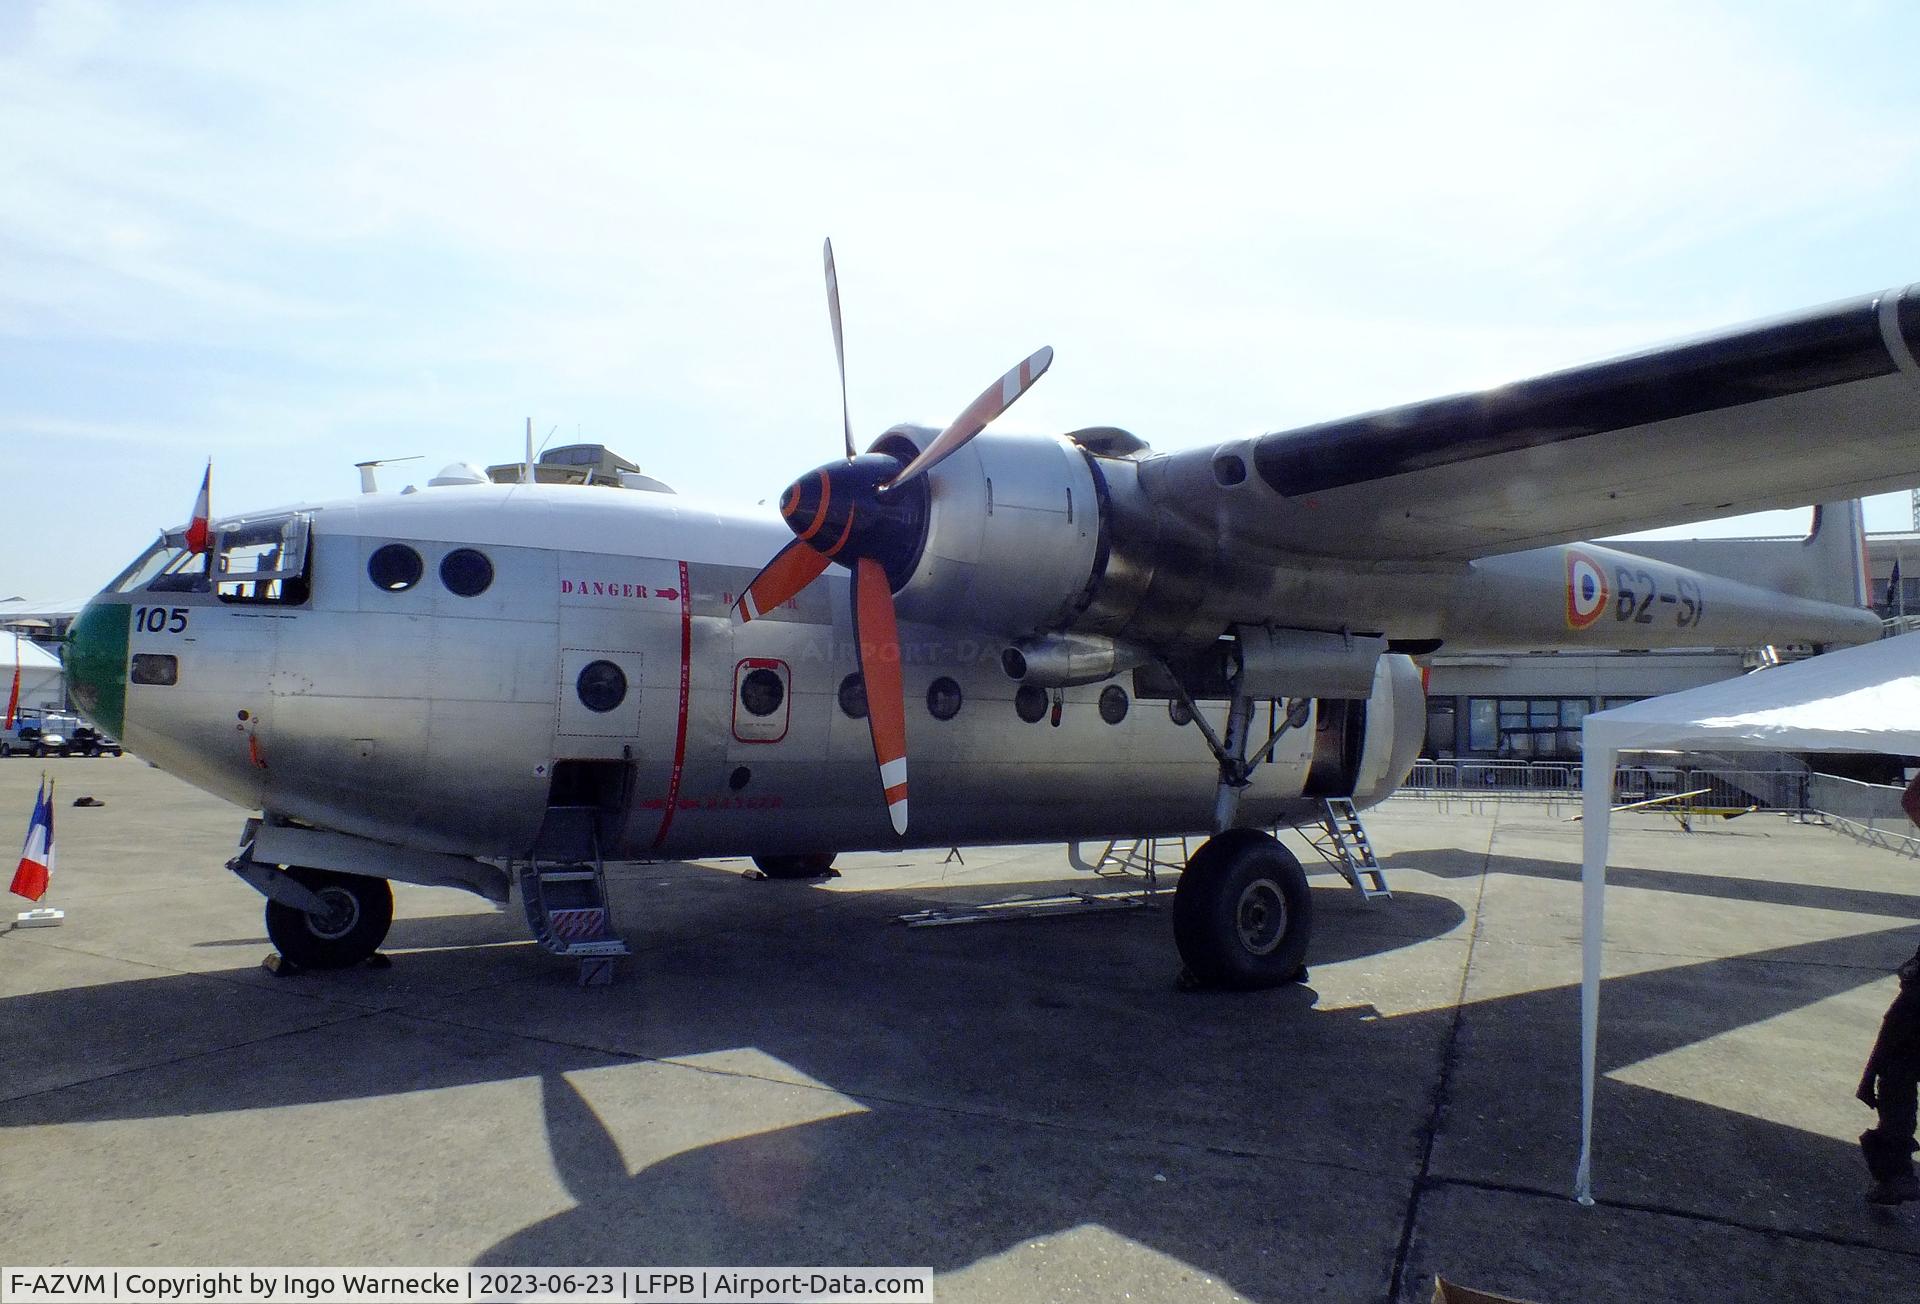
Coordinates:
[1242,913]
[354,914]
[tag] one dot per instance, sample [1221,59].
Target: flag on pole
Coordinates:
[197,528]
[36,857]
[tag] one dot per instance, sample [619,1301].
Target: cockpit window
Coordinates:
[186,573]
[166,566]
[152,562]
[262,560]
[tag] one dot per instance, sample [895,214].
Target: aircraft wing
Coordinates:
[1816,407]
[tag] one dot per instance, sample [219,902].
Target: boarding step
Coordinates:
[563,888]
[567,910]
[1342,842]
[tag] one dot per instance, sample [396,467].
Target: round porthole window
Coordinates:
[394,567]
[602,686]
[761,691]
[1030,700]
[466,572]
[943,698]
[1113,704]
[1178,713]
[853,697]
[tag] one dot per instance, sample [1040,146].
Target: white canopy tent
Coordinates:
[42,681]
[1864,699]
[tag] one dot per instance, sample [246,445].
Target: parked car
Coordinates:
[41,733]
[89,741]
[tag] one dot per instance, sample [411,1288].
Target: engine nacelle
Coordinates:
[1013,534]
[1395,727]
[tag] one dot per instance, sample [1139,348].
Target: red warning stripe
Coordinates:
[680,730]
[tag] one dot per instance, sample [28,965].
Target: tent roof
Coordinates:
[1862,699]
[32,656]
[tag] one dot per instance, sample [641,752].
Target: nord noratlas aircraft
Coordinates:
[501,686]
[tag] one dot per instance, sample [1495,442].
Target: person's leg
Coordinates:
[1889,1147]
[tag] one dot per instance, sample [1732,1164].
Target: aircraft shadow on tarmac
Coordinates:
[891,1186]
[1020,1080]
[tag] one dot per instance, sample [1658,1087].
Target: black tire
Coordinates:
[1243,913]
[6,748]
[38,750]
[812,864]
[362,913]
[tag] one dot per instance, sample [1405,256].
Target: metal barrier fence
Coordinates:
[1714,786]
[1865,812]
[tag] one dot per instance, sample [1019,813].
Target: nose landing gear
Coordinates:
[354,914]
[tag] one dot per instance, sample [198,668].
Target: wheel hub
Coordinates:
[1261,916]
[341,914]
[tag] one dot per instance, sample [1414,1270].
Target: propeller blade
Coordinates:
[994,400]
[878,636]
[791,570]
[839,345]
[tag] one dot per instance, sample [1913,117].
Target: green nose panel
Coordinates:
[97,664]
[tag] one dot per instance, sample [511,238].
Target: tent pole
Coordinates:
[1596,793]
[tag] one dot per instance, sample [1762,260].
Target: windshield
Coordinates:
[261,560]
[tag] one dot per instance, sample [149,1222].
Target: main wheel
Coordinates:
[1243,913]
[6,748]
[813,864]
[359,910]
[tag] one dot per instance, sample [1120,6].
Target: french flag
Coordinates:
[36,858]
[197,530]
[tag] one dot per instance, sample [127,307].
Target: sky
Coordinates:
[295,237]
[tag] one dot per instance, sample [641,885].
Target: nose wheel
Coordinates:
[1243,913]
[356,913]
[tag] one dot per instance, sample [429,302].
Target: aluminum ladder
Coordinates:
[1342,842]
[563,887]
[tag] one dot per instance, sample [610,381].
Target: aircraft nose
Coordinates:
[96,658]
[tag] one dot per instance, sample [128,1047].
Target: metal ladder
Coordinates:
[1127,856]
[1342,842]
[563,887]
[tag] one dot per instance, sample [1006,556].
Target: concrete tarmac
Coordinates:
[782,1074]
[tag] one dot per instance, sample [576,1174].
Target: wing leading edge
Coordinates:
[1819,406]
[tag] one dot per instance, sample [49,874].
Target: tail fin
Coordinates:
[1829,565]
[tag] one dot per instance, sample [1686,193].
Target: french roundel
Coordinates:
[1587,594]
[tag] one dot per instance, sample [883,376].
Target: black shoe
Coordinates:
[1895,1190]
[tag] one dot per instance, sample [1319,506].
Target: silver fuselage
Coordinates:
[433,720]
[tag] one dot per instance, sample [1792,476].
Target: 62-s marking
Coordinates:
[1637,590]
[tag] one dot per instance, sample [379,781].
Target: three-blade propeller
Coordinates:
[860,512]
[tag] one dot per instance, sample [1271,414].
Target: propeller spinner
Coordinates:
[867,513]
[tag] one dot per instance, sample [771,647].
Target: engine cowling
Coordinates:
[1012,540]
